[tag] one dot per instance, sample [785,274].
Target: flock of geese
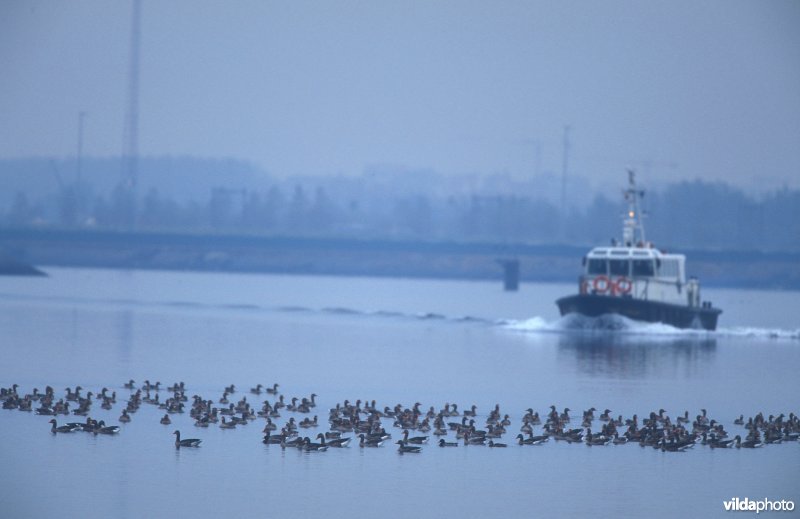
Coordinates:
[362,422]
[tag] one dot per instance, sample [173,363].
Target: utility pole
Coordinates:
[564,171]
[130,154]
[131,132]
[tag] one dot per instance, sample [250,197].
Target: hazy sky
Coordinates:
[706,89]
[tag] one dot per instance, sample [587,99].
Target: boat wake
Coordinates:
[572,323]
[617,324]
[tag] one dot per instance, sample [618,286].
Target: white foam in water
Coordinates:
[623,325]
[761,333]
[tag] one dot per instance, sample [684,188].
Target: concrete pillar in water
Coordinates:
[510,274]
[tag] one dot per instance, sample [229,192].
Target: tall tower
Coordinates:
[130,145]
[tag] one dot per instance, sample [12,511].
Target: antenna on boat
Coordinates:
[633,219]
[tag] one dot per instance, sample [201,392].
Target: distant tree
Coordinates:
[21,212]
[297,217]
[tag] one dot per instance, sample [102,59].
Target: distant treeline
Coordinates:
[194,195]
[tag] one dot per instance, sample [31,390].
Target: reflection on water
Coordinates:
[630,356]
[124,331]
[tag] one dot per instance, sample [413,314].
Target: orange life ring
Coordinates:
[623,285]
[601,284]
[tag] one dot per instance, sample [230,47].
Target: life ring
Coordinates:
[601,284]
[623,285]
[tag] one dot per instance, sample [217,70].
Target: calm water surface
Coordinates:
[395,341]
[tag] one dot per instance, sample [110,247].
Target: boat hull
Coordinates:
[679,316]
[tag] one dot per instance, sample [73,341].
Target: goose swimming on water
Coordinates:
[102,428]
[414,439]
[370,442]
[188,442]
[405,448]
[62,429]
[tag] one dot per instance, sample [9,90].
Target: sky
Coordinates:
[678,89]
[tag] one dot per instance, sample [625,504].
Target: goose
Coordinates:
[130,385]
[405,448]
[619,440]
[307,423]
[748,444]
[294,442]
[739,421]
[493,444]
[125,417]
[86,426]
[165,420]
[596,439]
[188,442]
[293,405]
[273,390]
[470,439]
[154,387]
[313,447]
[74,397]
[532,440]
[256,390]
[443,443]
[425,426]
[369,442]
[414,439]
[722,444]
[176,387]
[102,428]
[334,442]
[227,425]
[63,429]
[674,446]
[270,439]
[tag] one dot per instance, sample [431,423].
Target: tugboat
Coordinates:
[638,281]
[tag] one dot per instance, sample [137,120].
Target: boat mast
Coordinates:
[632,223]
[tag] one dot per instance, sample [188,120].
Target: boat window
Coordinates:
[619,267]
[643,268]
[597,266]
[669,268]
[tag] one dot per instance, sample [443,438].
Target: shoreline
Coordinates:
[356,257]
